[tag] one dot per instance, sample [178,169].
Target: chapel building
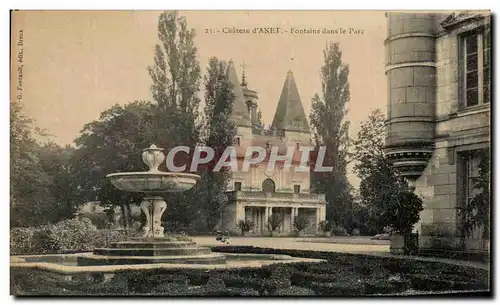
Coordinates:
[258,193]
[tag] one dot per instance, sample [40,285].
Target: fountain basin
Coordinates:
[199,259]
[70,264]
[153,181]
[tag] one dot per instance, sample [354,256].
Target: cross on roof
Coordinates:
[243,77]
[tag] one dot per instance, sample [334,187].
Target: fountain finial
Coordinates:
[153,157]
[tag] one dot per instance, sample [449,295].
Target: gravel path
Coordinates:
[314,244]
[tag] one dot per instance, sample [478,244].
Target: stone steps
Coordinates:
[152,251]
[153,245]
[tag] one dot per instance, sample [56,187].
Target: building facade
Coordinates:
[438,69]
[256,194]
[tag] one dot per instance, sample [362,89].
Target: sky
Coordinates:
[78,63]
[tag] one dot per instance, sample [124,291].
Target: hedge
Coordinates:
[374,271]
[332,278]
[232,282]
[364,263]
[341,275]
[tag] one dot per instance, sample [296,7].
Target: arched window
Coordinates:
[268,186]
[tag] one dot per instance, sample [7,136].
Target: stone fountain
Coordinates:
[154,246]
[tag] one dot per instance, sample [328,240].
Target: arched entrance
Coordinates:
[268,186]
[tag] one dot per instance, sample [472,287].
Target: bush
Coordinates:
[339,231]
[100,220]
[182,236]
[325,226]
[73,235]
[67,236]
[274,222]
[43,241]
[294,291]
[103,238]
[245,226]
[21,240]
[300,222]
[403,212]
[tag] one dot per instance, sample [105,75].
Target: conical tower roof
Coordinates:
[290,113]
[240,113]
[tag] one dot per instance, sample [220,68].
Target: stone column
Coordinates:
[270,211]
[318,218]
[240,212]
[257,219]
[282,227]
[266,217]
[294,213]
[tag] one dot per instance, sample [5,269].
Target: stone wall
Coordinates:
[424,83]
[457,130]
[438,188]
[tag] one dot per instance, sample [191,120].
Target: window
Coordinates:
[296,189]
[472,161]
[237,186]
[298,146]
[476,63]
[268,186]
[238,141]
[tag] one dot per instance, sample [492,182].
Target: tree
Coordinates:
[330,128]
[111,144]
[368,147]
[374,170]
[220,132]
[41,190]
[23,162]
[383,191]
[55,161]
[176,80]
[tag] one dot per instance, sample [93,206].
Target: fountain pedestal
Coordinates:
[153,207]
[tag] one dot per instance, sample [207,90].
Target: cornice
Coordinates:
[456,19]
[410,64]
